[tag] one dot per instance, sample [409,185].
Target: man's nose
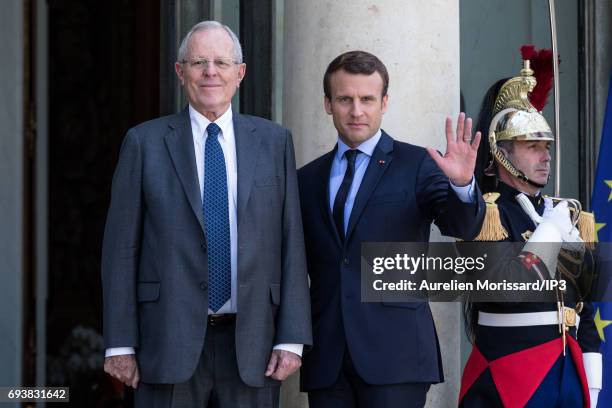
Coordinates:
[210,69]
[356,109]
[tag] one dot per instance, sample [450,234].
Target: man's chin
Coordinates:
[359,136]
[540,179]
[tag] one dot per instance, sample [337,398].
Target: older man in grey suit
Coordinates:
[203,267]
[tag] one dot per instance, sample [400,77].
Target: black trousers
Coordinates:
[216,382]
[350,391]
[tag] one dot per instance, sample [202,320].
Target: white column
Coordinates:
[418,41]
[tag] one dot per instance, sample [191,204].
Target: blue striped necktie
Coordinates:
[216,221]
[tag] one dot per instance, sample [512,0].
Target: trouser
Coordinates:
[350,391]
[215,383]
[539,377]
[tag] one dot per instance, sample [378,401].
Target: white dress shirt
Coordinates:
[227,140]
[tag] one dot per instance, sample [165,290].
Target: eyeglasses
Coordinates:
[202,64]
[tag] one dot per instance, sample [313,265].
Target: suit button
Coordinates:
[203,285]
[345,261]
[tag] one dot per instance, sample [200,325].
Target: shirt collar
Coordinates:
[367,147]
[199,122]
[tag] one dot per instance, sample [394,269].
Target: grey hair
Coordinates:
[207,25]
[507,145]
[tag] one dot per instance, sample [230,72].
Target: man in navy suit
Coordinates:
[372,188]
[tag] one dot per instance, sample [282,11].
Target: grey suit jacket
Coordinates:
[154,265]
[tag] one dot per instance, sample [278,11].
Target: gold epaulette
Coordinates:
[586,227]
[492,228]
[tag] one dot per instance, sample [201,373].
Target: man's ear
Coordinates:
[241,72]
[327,104]
[178,68]
[385,101]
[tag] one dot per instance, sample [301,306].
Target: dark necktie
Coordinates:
[216,221]
[345,187]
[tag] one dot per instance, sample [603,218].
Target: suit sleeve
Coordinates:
[439,202]
[587,332]
[121,248]
[293,321]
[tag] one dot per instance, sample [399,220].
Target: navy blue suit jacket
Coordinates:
[402,192]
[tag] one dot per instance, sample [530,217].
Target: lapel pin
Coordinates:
[381,162]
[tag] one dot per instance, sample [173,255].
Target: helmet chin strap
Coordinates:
[538,185]
[521,176]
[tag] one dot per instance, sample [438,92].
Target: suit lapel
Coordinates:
[180,146]
[379,162]
[325,209]
[247,150]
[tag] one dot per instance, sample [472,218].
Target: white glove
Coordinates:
[546,240]
[559,216]
[571,240]
[549,213]
[593,367]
